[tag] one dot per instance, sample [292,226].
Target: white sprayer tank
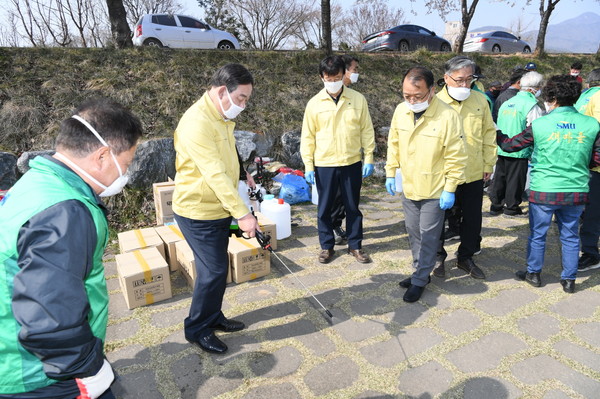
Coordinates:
[280,213]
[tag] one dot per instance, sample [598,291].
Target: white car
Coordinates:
[180,31]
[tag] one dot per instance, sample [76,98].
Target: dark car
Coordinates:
[405,38]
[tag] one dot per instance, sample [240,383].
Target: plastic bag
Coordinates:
[294,188]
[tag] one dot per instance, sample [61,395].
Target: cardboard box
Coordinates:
[170,235]
[144,277]
[141,239]
[267,226]
[185,257]
[247,259]
[162,220]
[163,201]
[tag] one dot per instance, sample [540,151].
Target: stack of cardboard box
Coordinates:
[147,255]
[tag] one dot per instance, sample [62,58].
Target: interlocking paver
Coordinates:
[589,332]
[540,326]
[399,348]
[337,373]
[570,308]
[506,302]
[459,321]
[578,353]
[282,362]
[486,352]
[430,379]
[486,387]
[287,391]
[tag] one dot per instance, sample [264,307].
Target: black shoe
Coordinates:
[439,270]
[471,268]
[210,344]
[588,262]
[515,213]
[495,213]
[533,279]
[450,235]
[340,235]
[413,293]
[229,325]
[406,282]
[568,286]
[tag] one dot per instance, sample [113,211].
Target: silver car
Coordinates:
[169,30]
[495,42]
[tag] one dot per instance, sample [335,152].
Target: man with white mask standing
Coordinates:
[336,127]
[53,296]
[206,198]
[425,142]
[480,141]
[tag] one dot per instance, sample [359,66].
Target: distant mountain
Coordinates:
[576,35]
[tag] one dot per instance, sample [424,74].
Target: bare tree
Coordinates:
[136,8]
[326,24]
[519,26]
[366,17]
[9,36]
[268,24]
[118,23]
[546,8]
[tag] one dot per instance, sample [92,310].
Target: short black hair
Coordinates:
[417,73]
[563,89]
[119,128]
[577,65]
[348,60]
[517,74]
[231,76]
[332,65]
[593,78]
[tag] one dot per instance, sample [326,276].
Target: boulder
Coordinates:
[154,162]
[290,143]
[8,170]
[244,141]
[23,161]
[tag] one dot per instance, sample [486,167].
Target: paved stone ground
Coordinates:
[465,338]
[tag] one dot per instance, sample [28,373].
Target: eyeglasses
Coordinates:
[415,99]
[462,82]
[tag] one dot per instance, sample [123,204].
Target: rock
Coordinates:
[383,131]
[23,161]
[379,169]
[8,170]
[244,141]
[154,162]
[290,143]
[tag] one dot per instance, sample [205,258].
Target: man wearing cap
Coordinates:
[531,67]
[493,91]
[506,192]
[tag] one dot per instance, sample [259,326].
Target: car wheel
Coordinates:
[225,45]
[446,47]
[527,49]
[152,43]
[403,46]
[496,49]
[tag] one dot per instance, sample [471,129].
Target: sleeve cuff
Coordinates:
[450,186]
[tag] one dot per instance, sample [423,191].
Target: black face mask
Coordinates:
[495,92]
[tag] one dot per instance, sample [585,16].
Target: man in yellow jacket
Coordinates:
[206,198]
[336,127]
[425,142]
[480,140]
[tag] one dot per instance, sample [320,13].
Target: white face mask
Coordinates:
[354,77]
[234,109]
[459,93]
[548,106]
[538,93]
[574,73]
[333,87]
[116,186]
[418,107]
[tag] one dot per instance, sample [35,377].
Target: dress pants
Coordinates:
[338,212]
[590,228]
[347,179]
[567,218]
[469,198]
[424,223]
[208,240]
[510,178]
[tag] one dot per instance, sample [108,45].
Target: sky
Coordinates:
[488,12]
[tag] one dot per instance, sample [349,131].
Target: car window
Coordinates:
[497,34]
[168,20]
[508,35]
[408,28]
[188,22]
[424,31]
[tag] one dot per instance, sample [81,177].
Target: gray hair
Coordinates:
[458,62]
[531,80]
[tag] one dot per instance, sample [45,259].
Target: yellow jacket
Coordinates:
[593,109]
[430,153]
[207,165]
[479,132]
[333,135]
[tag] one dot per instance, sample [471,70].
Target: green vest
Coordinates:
[44,185]
[512,120]
[489,100]
[584,99]
[563,142]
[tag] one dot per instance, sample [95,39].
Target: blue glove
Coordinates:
[310,177]
[390,185]
[367,170]
[446,200]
